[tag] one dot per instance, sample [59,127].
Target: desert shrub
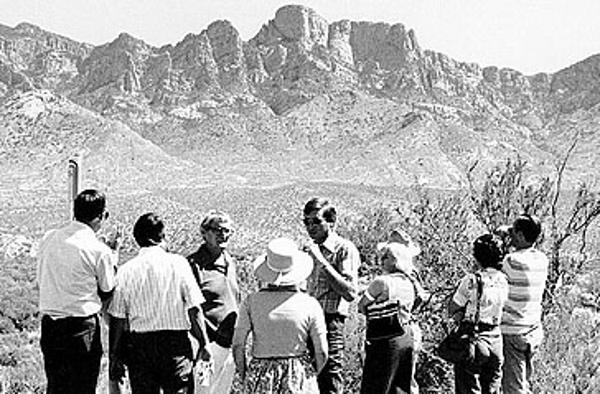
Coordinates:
[572,327]
[21,369]
[18,300]
[444,225]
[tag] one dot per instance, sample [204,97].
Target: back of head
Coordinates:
[529,225]
[89,205]
[149,230]
[319,204]
[488,251]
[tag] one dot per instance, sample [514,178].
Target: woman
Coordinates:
[477,305]
[392,338]
[215,273]
[282,320]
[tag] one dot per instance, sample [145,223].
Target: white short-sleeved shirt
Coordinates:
[155,290]
[493,296]
[72,265]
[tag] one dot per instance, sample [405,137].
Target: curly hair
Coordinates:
[489,251]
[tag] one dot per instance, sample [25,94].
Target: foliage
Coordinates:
[444,226]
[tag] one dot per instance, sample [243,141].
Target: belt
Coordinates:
[281,357]
[479,327]
[69,318]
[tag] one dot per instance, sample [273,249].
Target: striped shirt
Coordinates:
[526,270]
[73,264]
[154,291]
[397,297]
[344,257]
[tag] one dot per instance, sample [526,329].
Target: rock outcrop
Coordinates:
[212,83]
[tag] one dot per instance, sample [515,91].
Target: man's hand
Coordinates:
[204,366]
[116,369]
[114,240]
[203,355]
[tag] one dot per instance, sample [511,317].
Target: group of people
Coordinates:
[179,324]
[502,303]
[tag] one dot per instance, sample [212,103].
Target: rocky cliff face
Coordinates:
[317,90]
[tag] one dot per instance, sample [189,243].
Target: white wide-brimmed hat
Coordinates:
[283,264]
[402,248]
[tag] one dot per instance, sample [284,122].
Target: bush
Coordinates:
[444,225]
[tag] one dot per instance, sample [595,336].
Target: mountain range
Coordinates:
[303,100]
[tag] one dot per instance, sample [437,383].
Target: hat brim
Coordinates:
[412,249]
[301,269]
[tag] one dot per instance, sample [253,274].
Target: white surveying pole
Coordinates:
[74,170]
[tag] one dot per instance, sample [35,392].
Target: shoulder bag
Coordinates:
[460,346]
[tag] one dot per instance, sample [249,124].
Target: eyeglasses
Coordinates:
[221,230]
[312,221]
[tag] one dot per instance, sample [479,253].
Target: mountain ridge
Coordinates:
[237,107]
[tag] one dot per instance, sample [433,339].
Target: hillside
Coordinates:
[305,99]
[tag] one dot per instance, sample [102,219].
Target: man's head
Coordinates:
[90,207]
[149,230]
[319,219]
[216,229]
[525,231]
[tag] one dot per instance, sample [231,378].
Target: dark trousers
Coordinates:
[486,378]
[160,360]
[72,350]
[390,365]
[330,379]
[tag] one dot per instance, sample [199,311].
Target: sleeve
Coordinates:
[349,263]
[106,269]
[504,289]
[118,304]
[318,329]
[192,296]
[37,253]
[461,295]
[194,268]
[243,324]
[377,291]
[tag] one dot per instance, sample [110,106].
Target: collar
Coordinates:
[331,242]
[150,249]
[205,259]
[79,226]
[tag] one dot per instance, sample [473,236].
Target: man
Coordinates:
[333,283]
[159,301]
[76,272]
[215,272]
[526,269]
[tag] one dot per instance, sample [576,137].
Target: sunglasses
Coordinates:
[312,221]
[220,230]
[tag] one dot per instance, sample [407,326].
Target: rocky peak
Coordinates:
[28,28]
[127,42]
[119,63]
[297,24]
[228,53]
[339,41]
[578,85]
[391,46]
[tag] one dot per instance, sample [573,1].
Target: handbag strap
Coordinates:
[478,300]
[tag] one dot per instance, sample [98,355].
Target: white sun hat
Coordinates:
[283,264]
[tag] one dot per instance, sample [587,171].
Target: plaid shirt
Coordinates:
[344,257]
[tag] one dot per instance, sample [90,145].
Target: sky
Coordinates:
[530,36]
